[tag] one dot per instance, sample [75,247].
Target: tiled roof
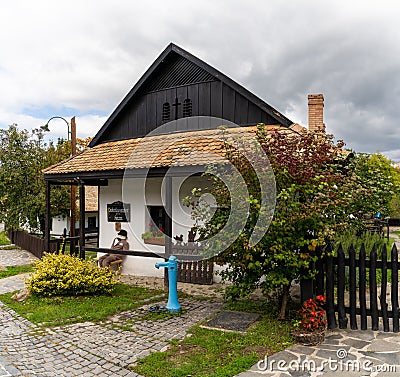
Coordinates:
[177,149]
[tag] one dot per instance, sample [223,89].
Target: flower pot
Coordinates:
[160,241]
[310,339]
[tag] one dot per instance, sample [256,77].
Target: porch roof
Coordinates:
[159,151]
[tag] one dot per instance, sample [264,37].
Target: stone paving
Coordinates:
[15,257]
[12,283]
[109,349]
[89,349]
[86,349]
[343,353]
[10,256]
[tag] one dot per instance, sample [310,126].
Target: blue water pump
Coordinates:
[172,266]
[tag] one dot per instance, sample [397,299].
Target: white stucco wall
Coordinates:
[133,193]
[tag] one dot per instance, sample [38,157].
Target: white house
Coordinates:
[151,151]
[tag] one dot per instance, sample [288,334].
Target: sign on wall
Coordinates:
[118,212]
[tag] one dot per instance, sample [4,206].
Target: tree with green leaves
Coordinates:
[317,193]
[23,156]
[377,174]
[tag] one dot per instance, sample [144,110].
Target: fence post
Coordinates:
[330,293]
[395,293]
[373,290]
[341,277]
[81,220]
[353,288]
[362,282]
[384,305]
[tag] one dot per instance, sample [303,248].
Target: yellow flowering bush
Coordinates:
[65,275]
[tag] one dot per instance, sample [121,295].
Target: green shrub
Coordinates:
[4,239]
[368,239]
[65,275]
[395,206]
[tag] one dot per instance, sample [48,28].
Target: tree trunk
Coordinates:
[285,298]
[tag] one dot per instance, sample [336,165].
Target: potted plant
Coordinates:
[154,235]
[311,326]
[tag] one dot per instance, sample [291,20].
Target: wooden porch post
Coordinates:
[47,219]
[81,220]
[168,219]
[168,224]
[73,190]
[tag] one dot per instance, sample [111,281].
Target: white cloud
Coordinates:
[84,56]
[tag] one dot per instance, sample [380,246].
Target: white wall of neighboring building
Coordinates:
[133,192]
[60,222]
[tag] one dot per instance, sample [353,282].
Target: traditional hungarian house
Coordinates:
[151,152]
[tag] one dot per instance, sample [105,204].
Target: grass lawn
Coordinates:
[4,239]
[213,353]
[55,311]
[15,270]
[205,353]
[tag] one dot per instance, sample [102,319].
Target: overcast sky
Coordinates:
[66,58]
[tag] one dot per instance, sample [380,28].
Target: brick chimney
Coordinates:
[316,113]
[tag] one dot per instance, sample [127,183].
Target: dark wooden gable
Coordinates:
[180,85]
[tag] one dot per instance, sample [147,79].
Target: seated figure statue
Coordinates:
[119,243]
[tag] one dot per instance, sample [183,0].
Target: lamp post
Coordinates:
[71,127]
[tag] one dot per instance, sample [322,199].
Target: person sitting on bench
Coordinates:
[119,243]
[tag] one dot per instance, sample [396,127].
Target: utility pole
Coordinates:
[73,189]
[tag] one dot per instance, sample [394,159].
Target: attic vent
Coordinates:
[166,112]
[176,71]
[187,107]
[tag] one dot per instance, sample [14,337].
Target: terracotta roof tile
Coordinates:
[179,149]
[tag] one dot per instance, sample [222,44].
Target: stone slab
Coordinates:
[233,321]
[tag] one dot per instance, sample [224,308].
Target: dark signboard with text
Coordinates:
[118,212]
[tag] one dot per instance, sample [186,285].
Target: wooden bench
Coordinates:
[379,226]
[116,266]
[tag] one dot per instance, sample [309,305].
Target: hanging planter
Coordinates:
[160,241]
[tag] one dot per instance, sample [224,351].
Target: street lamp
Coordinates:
[46,126]
[71,127]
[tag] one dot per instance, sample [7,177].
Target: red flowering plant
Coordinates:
[153,231]
[312,316]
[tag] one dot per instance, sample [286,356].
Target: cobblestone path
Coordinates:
[89,349]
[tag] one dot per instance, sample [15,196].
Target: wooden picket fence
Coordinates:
[198,272]
[31,242]
[354,291]
[36,244]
